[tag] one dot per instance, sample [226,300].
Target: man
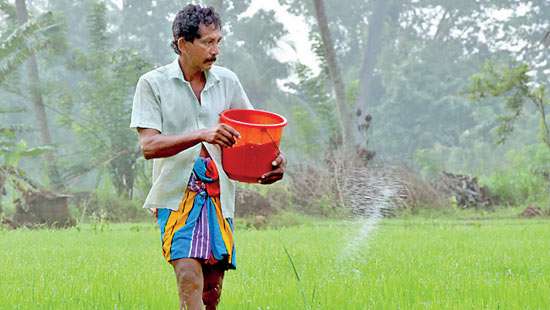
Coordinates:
[176,109]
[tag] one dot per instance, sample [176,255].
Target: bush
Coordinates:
[526,178]
[104,204]
[111,208]
[343,185]
[314,190]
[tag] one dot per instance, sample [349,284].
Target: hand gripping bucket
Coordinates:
[251,156]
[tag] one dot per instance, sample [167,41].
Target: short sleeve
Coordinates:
[146,111]
[239,99]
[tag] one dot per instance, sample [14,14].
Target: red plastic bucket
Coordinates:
[251,156]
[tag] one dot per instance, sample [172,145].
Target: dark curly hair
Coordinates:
[187,21]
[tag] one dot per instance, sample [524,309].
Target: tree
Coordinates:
[27,38]
[353,126]
[248,51]
[347,135]
[98,110]
[37,100]
[513,84]
[17,46]
[427,49]
[34,204]
[367,79]
[12,151]
[106,54]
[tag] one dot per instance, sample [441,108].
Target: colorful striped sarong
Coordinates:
[198,229]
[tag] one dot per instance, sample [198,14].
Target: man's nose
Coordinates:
[215,50]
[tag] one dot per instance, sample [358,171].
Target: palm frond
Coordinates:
[10,63]
[8,9]
[24,33]
[26,40]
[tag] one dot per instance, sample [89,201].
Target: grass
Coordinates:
[409,263]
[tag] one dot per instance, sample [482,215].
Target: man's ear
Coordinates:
[181,44]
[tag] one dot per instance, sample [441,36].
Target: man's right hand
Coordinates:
[222,135]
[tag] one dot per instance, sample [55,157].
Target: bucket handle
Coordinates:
[272,141]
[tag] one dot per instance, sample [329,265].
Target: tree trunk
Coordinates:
[335,75]
[545,132]
[123,174]
[38,103]
[374,43]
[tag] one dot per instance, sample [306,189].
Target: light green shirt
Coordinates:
[165,101]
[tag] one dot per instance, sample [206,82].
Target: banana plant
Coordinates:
[19,44]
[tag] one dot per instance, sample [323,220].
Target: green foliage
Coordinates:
[104,205]
[429,49]
[102,102]
[314,124]
[12,150]
[306,126]
[419,105]
[97,26]
[8,9]
[109,207]
[513,84]
[525,178]
[470,157]
[429,160]
[247,49]
[143,170]
[18,43]
[33,36]
[522,177]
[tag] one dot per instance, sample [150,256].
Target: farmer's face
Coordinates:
[203,51]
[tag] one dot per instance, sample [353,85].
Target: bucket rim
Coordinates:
[229,119]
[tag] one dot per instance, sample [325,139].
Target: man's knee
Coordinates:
[188,276]
[189,279]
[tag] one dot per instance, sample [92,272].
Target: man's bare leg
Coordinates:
[213,279]
[190,283]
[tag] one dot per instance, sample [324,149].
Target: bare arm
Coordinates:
[156,145]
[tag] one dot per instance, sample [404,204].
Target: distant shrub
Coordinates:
[105,205]
[526,178]
[110,208]
[315,189]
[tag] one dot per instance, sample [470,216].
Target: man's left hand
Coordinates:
[276,173]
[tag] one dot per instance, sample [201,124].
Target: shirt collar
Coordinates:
[174,72]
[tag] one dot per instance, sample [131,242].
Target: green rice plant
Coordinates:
[412,263]
[297,275]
